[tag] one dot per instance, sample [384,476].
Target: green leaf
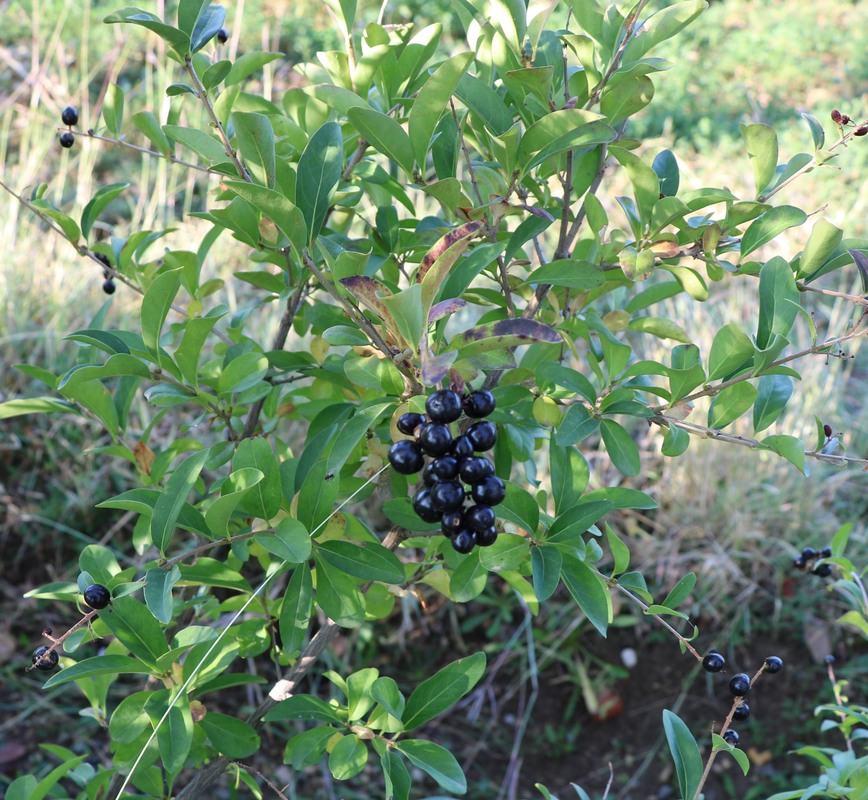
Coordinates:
[118,364]
[26,787]
[158,592]
[232,491]
[730,404]
[680,591]
[520,507]
[97,204]
[770,225]
[569,475]
[762,149]
[210,21]
[823,241]
[624,95]
[155,308]
[588,590]
[779,301]
[67,224]
[176,39]
[646,184]
[484,101]
[675,442]
[316,499]
[348,758]
[685,754]
[469,579]
[507,553]
[731,351]
[35,405]
[385,691]
[113,110]
[200,142]
[568,129]
[175,734]
[431,101]
[659,27]
[620,446]
[304,706]
[369,562]
[773,392]
[232,737]
[211,572]
[546,563]
[98,665]
[408,312]
[620,551]
[573,523]
[790,447]
[188,14]
[437,761]
[216,73]
[665,166]
[265,498]
[255,137]
[568,272]
[296,608]
[501,335]
[308,748]
[359,698]
[442,690]
[318,175]
[173,497]
[565,377]
[338,595]
[290,221]
[719,743]
[242,373]
[384,134]
[136,629]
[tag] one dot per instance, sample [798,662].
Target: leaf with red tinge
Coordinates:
[440,259]
[434,368]
[502,335]
[444,308]
[369,292]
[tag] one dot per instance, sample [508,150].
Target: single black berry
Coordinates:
[462,447]
[67,139]
[809,554]
[824,570]
[489,491]
[42,661]
[436,438]
[799,562]
[445,468]
[97,596]
[741,713]
[862,130]
[479,518]
[444,405]
[486,537]
[479,404]
[406,457]
[424,507]
[475,468]
[452,522]
[713,662]
[731,737]
[407,423]
[829,659]
[483,435]
[836,116]
[774,664]
[463,541]
[739,685]
[447,495]
[108,286]
[69,115]
[428,476]
[827,430]
[222,36]
[826,552]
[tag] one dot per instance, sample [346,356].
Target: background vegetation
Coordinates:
[734,518]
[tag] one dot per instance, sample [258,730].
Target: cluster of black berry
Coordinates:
[809,556]
[69,116]
[453,465]
[739,686]
[45,658]
[108,284]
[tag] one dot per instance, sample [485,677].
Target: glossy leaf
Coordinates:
[384,134]
[264,500]
[435,760]
[348,758]
[209,22]
[175,38]
[620,446]
[443,690]
[823,241]
[789,447]
[546,563]
[136,629]
[175,732]
[98,203]
[569,475]
[762,150]
[158,592]
[290,221]
[338,595]
[93,667]
[730,404]
[773,392]
[588,590]
[255,137]
[770,225]
[369,562]
[779,301]
[232,737]
[173,497]
[731,351]
[319,172]
[685,754]
[155,308]
[232,491]
[295,610]
[304,706]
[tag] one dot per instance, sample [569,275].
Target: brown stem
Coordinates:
[55,643]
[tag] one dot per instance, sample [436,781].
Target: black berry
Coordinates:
[489,491]
[826,552]
[97,596]
[445,468]
[479,403]
[824,570]
[447,495]
[773,665]
[836,116]
[428,476]
[222,36]
[799,562]
[462,447]
[42,661]
[69,115]
[475,468]
[407,423]
[423,506]
[479,518]
[741,713]
[482,435]
[67,139]
[713,662]
[435,438]
[463,541]
[443,405]
[862,130]
[731,737]
[809,554]
[827,430]
[739,685]
[406,457]
[829,659]
[452,522]
[108,286]
[486,537]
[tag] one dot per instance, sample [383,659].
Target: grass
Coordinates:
[734,517]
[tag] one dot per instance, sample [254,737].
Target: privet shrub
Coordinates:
[417,222]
